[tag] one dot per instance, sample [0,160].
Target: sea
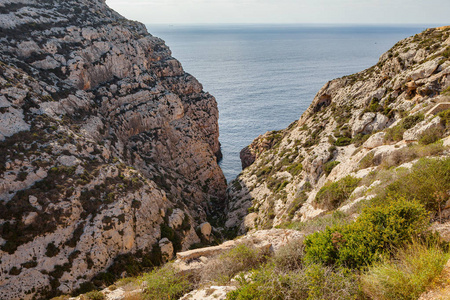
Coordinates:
[265,76]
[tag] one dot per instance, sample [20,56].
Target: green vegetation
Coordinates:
[95,295]
[377,230]
[165,283]
[239,259]
[343,141]
[407,274]
[445,116]
[395,134]
[427,182]
[431,135]
[329,166]
[333,194]
[402,155]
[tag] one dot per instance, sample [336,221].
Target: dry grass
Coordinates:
[407,275]
[242,258]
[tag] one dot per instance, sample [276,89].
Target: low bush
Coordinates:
[411,121]
[376,231]
[427,182]
[329,166]
[313,282]
[394,134]
[333,194]
[241,258]
[290,256]
[165,283]
[343,141]
[410,153]
[406,276]
[94,295]
[445,116]
[320,223]
[431,135]
[367,161]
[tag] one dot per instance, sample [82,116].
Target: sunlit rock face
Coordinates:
[347,123]
[102,137]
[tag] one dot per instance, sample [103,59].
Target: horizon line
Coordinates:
[305,24]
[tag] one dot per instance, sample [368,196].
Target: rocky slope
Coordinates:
[355,124]
[107,147]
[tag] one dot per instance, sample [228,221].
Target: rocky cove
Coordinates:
[109,157]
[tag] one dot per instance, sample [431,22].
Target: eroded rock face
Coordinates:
[102,136]
[350,120]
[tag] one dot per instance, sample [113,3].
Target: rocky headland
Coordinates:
[355,125]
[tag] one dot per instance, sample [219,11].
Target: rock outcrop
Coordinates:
[106,146]
[353,124]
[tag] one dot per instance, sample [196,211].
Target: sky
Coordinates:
[285,11]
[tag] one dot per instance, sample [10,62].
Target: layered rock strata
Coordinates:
[104,142]
[366,117]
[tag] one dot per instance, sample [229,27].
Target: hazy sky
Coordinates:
[285,11]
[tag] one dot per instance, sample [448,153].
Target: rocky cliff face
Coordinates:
[354,125]
[107,146]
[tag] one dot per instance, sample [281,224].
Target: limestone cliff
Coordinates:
[355,124]
[106,146]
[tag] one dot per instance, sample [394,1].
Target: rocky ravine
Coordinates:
[350,122]
[106,146]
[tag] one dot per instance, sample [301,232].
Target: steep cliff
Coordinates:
[369,121]
[107,146]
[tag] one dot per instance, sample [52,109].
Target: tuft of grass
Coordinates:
[430,136]
[166,283]
[427,182]
[312,282]
[337,218]
[407,275]
[241,258]
[94,295]
[333,194]
[410,153]
[329,166]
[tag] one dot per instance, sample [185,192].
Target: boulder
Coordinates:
[166,247]
[176,218]
[375,140]
[205,229]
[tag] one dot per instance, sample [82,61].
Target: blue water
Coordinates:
[264,77]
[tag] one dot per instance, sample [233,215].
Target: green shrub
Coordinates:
[410,153]
[377,230]
[241,258]
[329,166]
[394,134]
[445,116]
[313,282]
[95,295]
[319,223]
[343,141]
[431,135]
[360,138]
[446,92]
[165,283]
[367,161]
[411,121]
[290,256]
[266,283]
[428,180]
[295,169]
[406,276]
[333,194]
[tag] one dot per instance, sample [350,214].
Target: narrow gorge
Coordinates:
[109,168]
